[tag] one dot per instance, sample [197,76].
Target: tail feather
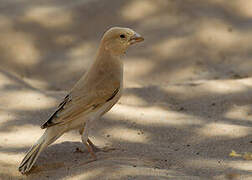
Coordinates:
[32,156]
[49,136]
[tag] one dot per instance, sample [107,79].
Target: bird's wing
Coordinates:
[75,105]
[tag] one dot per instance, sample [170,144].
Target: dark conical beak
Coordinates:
[136,38]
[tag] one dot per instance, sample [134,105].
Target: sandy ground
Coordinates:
[188,88]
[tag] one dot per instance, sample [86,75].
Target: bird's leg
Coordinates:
[90,151]
[91,144]
[84,138]
[94,147]
[81,130]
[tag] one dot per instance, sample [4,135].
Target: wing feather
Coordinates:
[74,106]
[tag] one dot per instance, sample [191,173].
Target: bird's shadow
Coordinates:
[60,155]
[66,155]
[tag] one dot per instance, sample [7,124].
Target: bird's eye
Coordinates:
[122,36]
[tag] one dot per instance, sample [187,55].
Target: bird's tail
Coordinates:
[35,150]
[32,155]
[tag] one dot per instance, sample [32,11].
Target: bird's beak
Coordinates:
[136,38]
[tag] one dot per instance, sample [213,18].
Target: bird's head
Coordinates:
[116,40]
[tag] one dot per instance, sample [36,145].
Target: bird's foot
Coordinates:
[97,149]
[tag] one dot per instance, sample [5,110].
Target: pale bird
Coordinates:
[92,96]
